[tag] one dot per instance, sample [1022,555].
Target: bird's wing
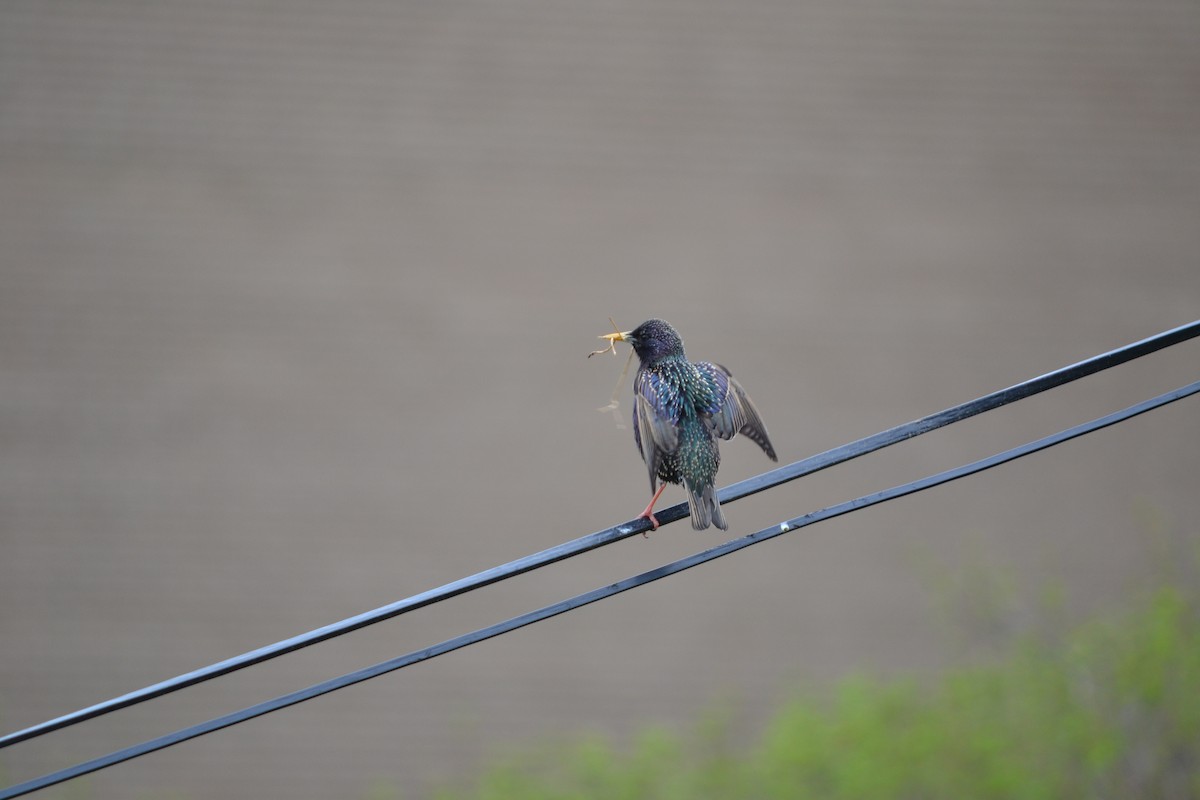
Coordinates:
[655,420]
[732,410]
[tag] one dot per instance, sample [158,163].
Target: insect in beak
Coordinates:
[613,338]
[617,336]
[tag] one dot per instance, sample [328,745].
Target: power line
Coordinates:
[616,533]
[587,598]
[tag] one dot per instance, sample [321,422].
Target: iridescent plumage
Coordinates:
[680,409]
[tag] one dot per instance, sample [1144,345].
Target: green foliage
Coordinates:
[1114,711]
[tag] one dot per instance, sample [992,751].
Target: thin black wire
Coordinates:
[587,598]
[616,533]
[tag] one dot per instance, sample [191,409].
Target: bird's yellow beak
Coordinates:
[616,337]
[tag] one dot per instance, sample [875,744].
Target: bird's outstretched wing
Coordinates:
[732,411]
[656,410]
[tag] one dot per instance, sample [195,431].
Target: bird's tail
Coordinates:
[704,508]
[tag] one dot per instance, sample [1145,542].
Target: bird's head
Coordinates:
[653,340]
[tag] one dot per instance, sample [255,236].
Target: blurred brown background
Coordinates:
[295,298]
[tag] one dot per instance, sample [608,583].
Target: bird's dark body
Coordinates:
[680,410]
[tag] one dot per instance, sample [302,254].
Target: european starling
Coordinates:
[679,408]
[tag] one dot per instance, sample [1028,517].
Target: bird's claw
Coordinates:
[647,515]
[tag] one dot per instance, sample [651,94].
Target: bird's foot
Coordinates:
[649,512]
[653,522]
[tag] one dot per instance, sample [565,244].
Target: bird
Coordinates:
[680,409]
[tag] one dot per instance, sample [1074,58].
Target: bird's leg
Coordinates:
[648,513]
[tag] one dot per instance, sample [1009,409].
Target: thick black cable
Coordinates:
[616,533]
[587,598]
